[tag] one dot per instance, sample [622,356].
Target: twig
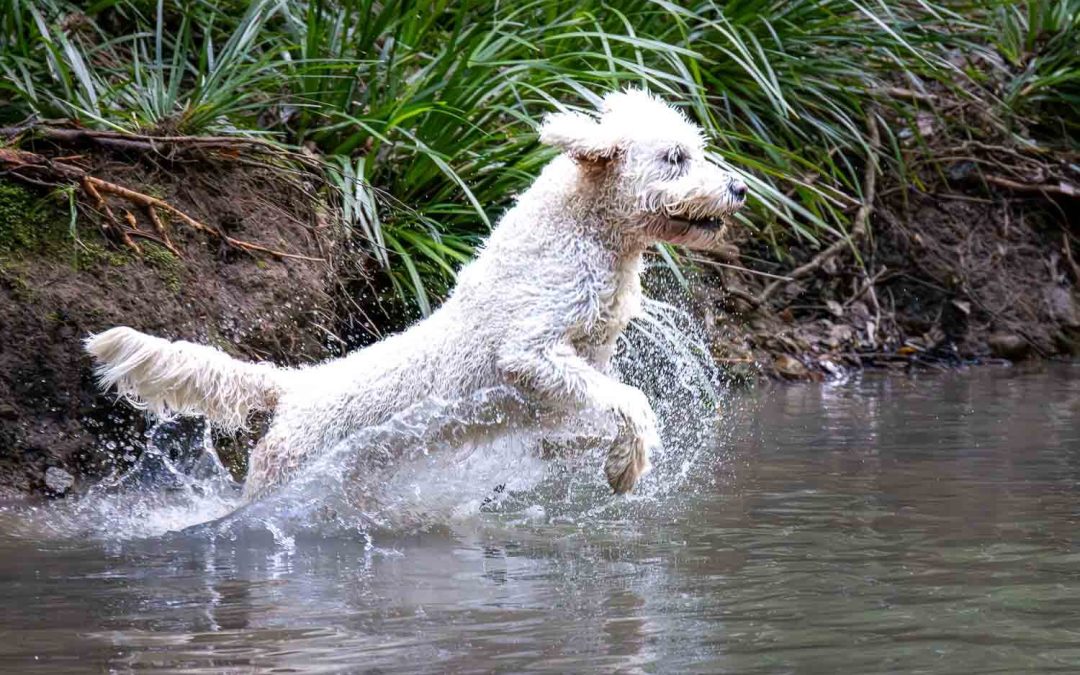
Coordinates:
[739,268]
[748,298]
[858,231]
[1062,188]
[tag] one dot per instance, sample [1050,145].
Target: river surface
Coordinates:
[882,524]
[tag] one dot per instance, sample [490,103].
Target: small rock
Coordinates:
[58,480]
[1008,346]
[790,367]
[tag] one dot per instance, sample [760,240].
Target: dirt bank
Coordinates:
[945,278]
[61,280]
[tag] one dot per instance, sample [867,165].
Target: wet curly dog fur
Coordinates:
[540,308]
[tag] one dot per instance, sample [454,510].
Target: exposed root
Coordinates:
[38,169]
[159,226]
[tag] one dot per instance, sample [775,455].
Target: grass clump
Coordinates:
[425,112]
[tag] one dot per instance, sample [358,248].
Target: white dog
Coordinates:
[540,307]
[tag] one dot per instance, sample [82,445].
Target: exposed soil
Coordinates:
[946,279]
[60,282]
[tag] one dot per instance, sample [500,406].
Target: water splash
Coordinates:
[437,463]
[177,481]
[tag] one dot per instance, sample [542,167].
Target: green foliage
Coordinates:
[1039,43]
[426,111]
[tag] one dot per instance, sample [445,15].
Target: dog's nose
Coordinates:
[738,188]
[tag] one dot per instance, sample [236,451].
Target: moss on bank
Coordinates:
[30,223]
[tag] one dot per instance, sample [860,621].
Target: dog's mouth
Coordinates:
[701,233]
[710,223]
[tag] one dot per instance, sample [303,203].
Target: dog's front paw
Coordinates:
[628,459]
[626,463]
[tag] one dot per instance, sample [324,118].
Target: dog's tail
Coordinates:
[183,377]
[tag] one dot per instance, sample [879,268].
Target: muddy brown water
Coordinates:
[884,524]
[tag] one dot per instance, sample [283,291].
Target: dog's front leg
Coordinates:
[558,371]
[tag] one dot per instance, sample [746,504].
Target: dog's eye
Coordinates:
[676,157]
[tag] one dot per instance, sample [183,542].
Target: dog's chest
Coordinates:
[618,300]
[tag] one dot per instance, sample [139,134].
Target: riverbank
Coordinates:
[952,279]
[272,278]
[288,181]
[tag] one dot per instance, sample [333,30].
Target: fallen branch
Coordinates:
[20,162]
[858,230]
[229,147]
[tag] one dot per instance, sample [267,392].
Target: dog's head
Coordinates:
[652,159]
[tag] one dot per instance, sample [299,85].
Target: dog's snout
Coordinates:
[738,188]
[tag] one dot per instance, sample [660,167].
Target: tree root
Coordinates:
[40,170]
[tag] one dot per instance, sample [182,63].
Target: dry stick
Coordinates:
[748,298]
[1062,188]
[862,218]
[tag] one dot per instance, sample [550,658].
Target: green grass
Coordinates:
[426,111]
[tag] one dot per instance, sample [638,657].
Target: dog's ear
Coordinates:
[581,137]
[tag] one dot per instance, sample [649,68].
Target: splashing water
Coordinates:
[436,463]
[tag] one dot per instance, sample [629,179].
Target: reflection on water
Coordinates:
[882,524]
